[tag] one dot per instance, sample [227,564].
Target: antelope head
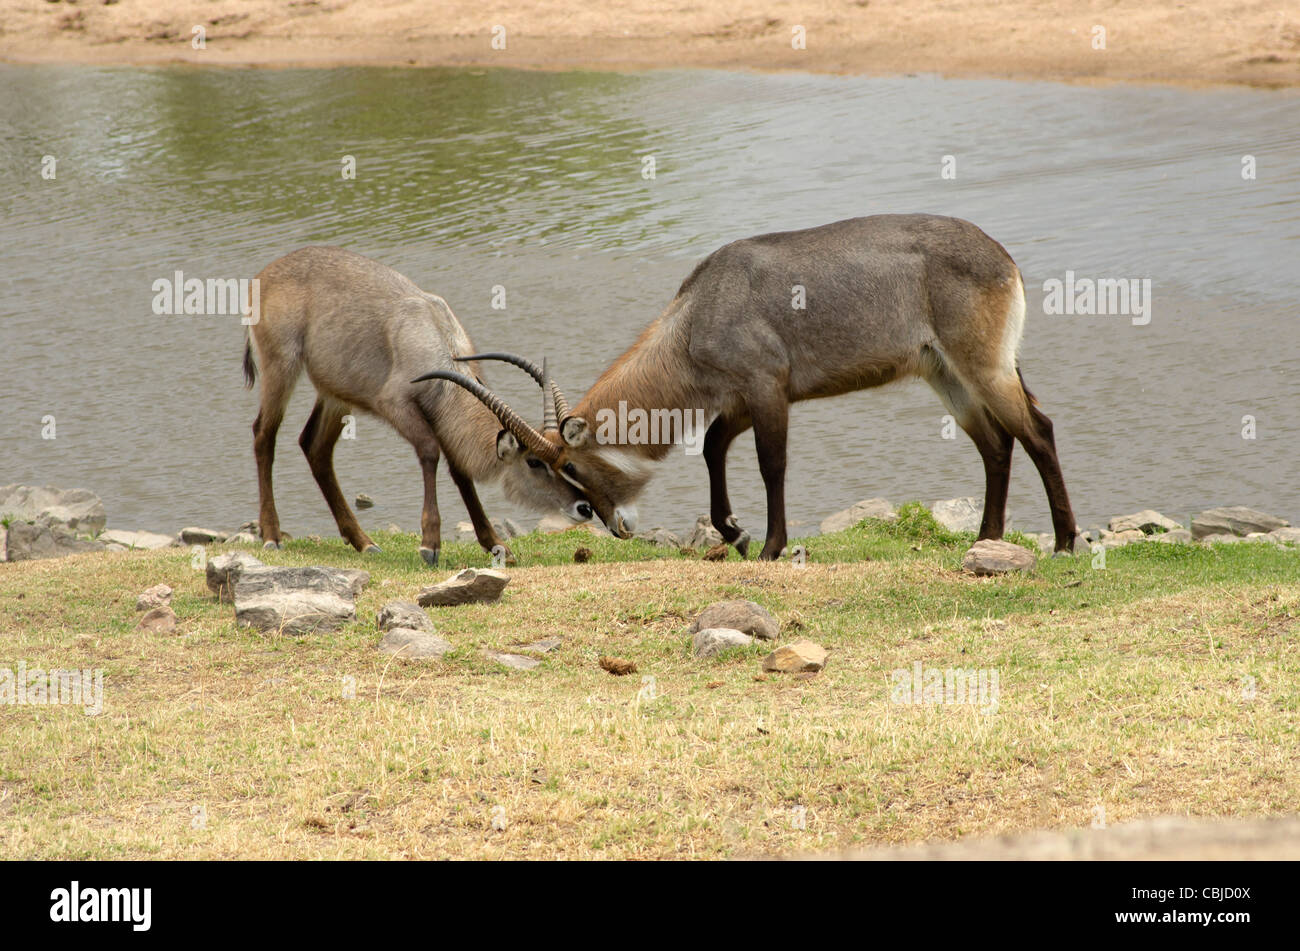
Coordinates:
[604,479]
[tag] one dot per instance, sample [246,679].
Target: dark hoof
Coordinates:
[430,556]
[373,549]
[276,545]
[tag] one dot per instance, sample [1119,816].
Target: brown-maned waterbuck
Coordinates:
[799,315]
[362,331]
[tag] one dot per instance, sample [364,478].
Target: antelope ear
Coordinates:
[508,448]
[575,431]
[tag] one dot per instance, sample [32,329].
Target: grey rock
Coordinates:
[714,640]
[660,536]
[959,515]
[144,541]
[1286,536]
[1147,521]
[704,535]
[160,595]
[867,508]
[1234,520]
[222,571]
[744,616]
[79,509]
[408,644]
[470,586]
[364,501]
[46,537]
[201,536]
[515,661]
[111,546]
[1220,539]
[1120,539]
[403,614]
[989,557]
[242,538]
[297,600]
[1175,537]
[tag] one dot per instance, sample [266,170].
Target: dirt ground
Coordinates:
[1254,42]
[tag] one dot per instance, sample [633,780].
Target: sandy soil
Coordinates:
[1254,42]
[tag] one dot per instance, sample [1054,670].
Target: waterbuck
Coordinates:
[362,331]
[797,315]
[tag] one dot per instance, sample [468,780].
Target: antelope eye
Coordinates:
[534,463]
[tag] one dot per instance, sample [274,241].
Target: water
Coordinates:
[533,181]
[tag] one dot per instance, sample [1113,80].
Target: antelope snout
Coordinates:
[624,522]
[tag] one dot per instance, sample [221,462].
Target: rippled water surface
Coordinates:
[533,181]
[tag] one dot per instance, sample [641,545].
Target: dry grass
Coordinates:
[1122,691]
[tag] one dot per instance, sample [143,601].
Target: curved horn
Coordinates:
[533,370]
[541,447]
[549,423]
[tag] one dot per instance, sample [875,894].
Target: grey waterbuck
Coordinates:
[362,331]
[797,315]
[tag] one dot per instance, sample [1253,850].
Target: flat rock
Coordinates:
[855,513]
[297,600]
[144,541]
[990,557]
[222,571]
[1234,520]
[160,620]
[959,515]
[79,509]
[744,616]
[409,644]
[799,656]
[1177,536]
[405,614]
[714,640]
[160,595]
[704,535]
[46,537]
[543,646]
[514,661]
[1147,521]
[471,586]
[201,536]
[661,537]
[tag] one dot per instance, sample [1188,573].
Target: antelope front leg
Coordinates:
[716,443]
[770,424]
[483,530]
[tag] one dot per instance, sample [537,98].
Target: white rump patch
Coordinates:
[1015,327]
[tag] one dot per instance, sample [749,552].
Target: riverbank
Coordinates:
[1161,684]
[1209,42]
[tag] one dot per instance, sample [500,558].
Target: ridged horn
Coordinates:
[541,447]
[549,422]
[533,370]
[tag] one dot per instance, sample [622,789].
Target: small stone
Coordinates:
[715,640]
[1147,521]
[160,595]
[364,501]
[792,658]
[471,586]
[744,616]
[1234,520]
[513,661]
[855,513]
[222,571]
[242,538]
[160,620]
[704,535]
[618,666]
[990,557]
[201,536]
[403,614]
[408,644]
